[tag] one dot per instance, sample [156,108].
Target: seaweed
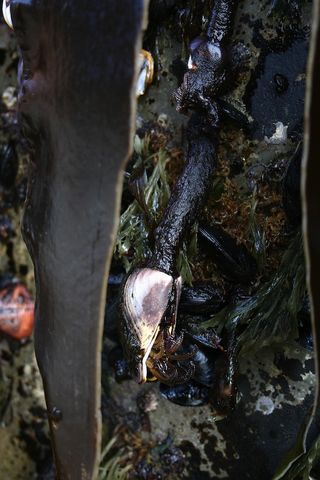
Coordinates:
[301,469]
[257,234]
[186,254]
[150,186]
[133,244]
[270,315]
[112,466]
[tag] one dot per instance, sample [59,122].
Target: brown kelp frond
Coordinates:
[270,315]
[132,243]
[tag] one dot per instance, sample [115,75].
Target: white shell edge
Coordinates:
[6,11]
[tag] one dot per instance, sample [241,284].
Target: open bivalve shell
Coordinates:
[145,300]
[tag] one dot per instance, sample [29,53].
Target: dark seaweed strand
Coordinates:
[186,198]
[221,23]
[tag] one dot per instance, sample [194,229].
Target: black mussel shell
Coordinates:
[203,337]
[305,328]
[223,399]
[204,367]
[8,165]
[233,260]
[7,280]
[160,9]
[112,318]
[190,394]
[291,196]
[224,389]
[119,364]
[112,311]
[202,298]
[230,112]
[115,279]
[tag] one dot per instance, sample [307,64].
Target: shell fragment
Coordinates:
[145,73]
[7,13]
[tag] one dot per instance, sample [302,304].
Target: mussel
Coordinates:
[233,259]
[202,298]
[119,364]
[204,362]
[291,196]
[190,394]
[8,165]
[203,337]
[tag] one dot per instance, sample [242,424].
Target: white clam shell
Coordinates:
[145,300]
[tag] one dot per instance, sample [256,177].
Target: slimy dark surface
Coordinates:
[77,107]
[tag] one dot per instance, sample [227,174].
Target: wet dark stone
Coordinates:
[281,83]
[194,460]
[291,367]
[278,92]
[289,7]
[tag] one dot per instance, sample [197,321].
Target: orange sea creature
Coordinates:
[16,311]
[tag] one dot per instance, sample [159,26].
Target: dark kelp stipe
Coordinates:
[77,110]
